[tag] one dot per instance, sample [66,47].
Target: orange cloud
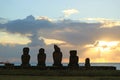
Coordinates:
[13,39]
[52,41]
[106,23]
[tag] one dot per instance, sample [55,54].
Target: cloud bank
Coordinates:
[68,34]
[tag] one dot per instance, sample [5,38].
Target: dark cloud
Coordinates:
[71,31]
[27,25]
[35,41]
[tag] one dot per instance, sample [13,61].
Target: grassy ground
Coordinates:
[8,77]
[22,74]
[61,72]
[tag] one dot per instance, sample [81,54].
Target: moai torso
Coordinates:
[25,58]
[57,56]
[73,60]
[41,58]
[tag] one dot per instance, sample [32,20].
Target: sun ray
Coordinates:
[103,49]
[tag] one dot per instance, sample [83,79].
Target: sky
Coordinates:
[91,27]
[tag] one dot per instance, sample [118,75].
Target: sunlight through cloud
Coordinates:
[52,41]
[104,45]
[103,51]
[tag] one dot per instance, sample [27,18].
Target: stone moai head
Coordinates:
[25,51]
[87,60]
[73,53]
[57,49]
[41,50]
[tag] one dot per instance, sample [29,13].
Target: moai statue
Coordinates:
[57,57]
[73,60]
[87,62]
[41,58]
[25,58]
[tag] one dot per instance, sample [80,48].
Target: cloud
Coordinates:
[105,45]
[26,26]
[53,41]
[45,18]
[69,12]
[105,51]
[68,34]
[35,41]
[8,53]
[106,23]
[3,20]
[70,31]
[7,38]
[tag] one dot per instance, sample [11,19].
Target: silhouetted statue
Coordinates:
[73,60]
[57,56]
[25,57]
[41,58]
[87,62]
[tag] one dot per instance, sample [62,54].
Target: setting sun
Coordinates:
[103,51]
[106,46]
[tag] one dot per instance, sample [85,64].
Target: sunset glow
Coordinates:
[106,23]
[13,39]
[90,27]
[103,51]
[52,41]
[105,46]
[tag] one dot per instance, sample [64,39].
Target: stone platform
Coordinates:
[60,68]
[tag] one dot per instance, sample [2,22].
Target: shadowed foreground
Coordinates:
[94,73]
[24,74]
[55,78]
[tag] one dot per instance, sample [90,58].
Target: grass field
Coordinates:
[7,77]
[93,73]
[23,74]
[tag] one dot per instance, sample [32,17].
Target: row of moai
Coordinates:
[57,58]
